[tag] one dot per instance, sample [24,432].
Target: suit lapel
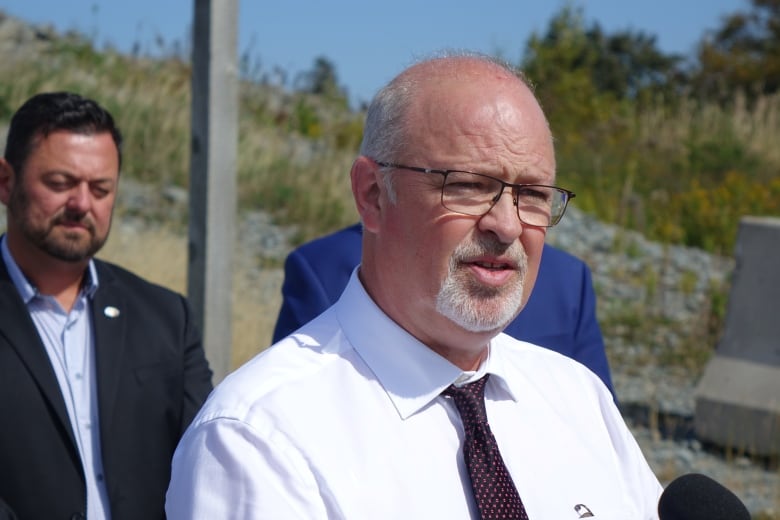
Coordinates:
[19,330]
[110,323]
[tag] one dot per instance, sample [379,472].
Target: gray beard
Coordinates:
[475,307]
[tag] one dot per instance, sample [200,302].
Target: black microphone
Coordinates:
[697,497]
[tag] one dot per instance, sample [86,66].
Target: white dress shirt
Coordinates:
[344,419]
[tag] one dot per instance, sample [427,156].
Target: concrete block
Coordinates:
[738,397]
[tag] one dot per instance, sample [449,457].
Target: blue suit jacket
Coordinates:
[560,314]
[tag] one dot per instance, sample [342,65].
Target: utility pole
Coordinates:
[214,143]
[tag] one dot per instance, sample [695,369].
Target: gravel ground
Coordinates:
[658,401]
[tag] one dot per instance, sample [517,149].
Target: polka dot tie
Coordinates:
[494,491]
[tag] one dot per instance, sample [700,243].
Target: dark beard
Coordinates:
[66,248]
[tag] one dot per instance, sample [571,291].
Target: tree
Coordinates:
[742,54]
[629,65]
[323,81]
[623,65]
[559,62]
[588,78]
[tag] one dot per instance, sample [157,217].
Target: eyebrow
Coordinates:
[71,176]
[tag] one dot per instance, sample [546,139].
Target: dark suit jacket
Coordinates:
[152,377]
[5,511]
[560,314]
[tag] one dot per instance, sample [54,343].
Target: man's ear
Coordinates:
[7,179]
[366,188]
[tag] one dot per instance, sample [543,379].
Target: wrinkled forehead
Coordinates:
[500,116]
[470,91]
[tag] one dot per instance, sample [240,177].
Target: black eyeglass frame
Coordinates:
[569,194]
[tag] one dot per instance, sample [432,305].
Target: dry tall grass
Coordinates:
[160,255]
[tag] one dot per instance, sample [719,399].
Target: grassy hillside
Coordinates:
[294,150]
[679,172]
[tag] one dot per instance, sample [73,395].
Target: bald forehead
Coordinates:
[467,69]
[468,88]
[444,83]
[474,113]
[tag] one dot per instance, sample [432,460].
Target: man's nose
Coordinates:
[79,199]
[502,219]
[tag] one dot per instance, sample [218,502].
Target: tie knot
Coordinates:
[475,388]
[470,400]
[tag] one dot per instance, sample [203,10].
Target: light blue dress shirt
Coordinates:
[69,342]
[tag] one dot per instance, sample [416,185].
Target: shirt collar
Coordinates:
[26,290]
[412,374]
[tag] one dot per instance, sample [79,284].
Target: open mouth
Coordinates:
[493,266]
[492,274]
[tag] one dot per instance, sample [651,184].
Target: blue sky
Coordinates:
[369,41]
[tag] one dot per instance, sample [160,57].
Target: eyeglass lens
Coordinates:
[476,194]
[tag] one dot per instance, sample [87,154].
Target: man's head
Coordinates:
[445,255]
[59,177]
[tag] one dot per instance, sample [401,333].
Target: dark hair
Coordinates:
[49,112]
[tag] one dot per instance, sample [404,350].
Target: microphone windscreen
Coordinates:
[697,497]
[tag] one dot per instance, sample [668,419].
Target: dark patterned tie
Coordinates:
[494,491]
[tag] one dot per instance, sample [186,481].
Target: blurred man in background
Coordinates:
[100,371]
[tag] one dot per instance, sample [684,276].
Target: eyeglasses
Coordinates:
[475,194]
